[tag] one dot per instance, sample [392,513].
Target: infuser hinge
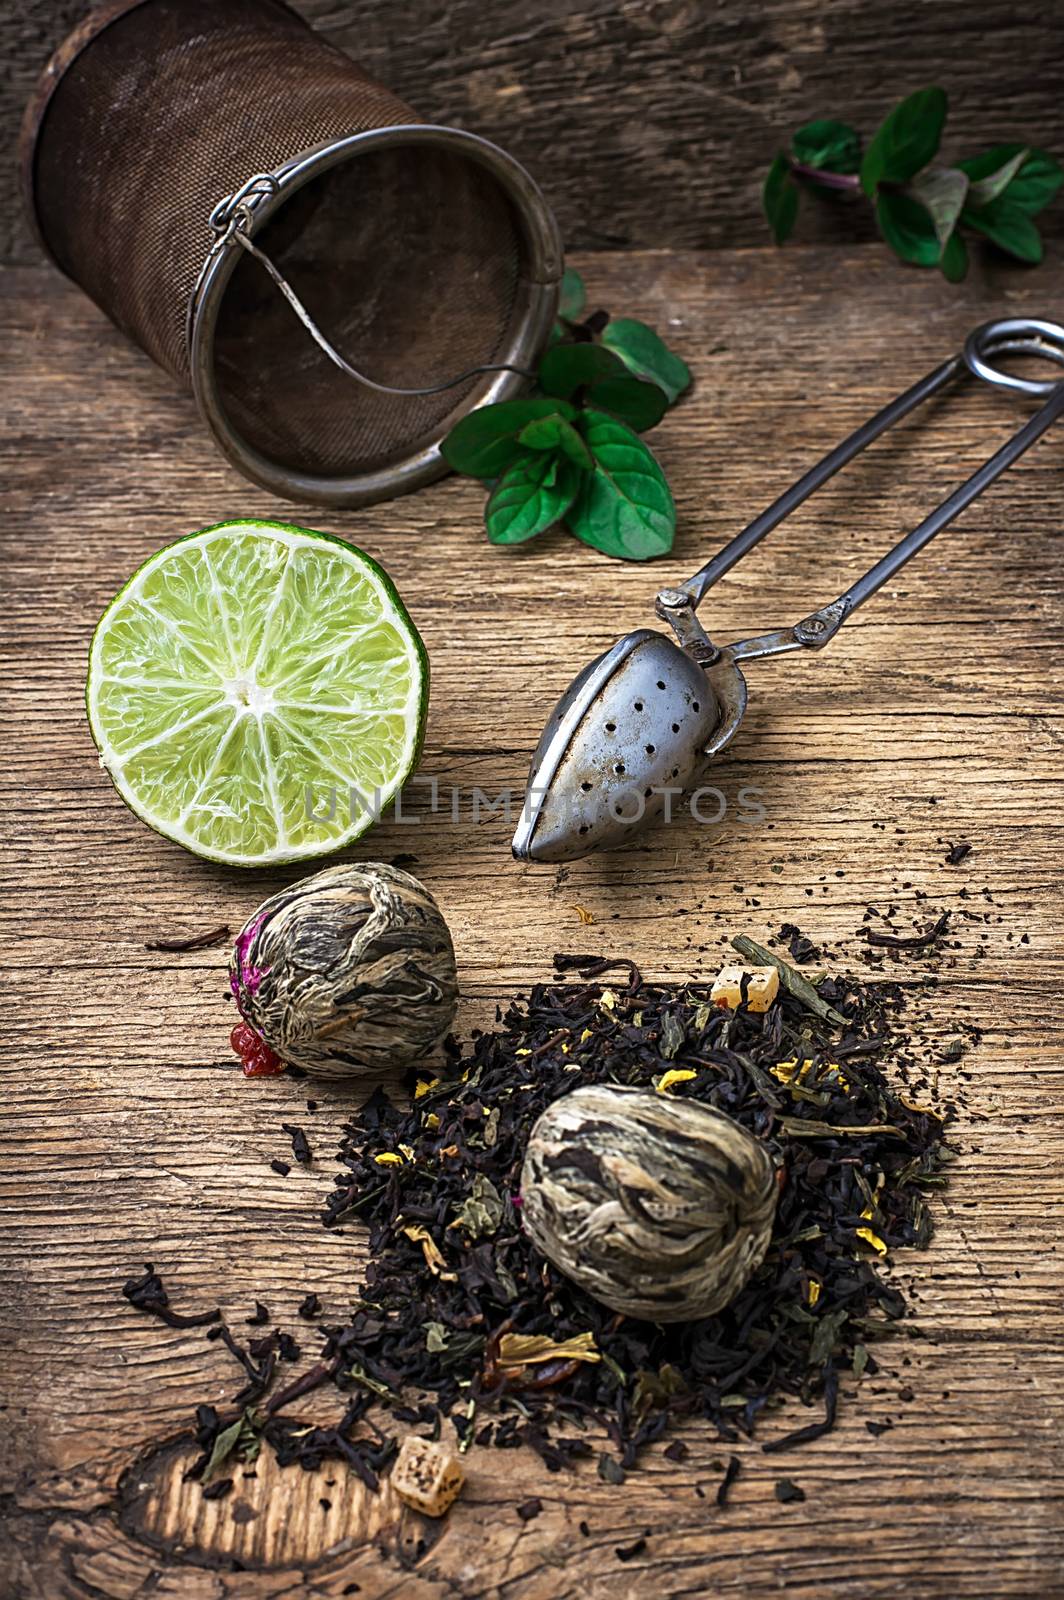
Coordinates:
[676,607]
[816,629]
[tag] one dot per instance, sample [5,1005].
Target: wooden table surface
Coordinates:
[130,1134]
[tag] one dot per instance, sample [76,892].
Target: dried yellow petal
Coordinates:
[425,1086]
[813,1292]
[434,1259]
[388,1158]
[928,1111]
[586,917]
[526,1349]
[674,1075]
[873,1239]
[608,1000]
[432,1122]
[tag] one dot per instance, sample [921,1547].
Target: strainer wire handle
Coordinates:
[232,220]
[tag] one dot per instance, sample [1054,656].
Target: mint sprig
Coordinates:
[920,205]
[571,453]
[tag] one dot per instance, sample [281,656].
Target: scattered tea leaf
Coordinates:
[484,443]
[905,141]
[534,493]
[569,367]
[833,146]
[647,356]
[779,199]
[624,507]
[640,405]
[482,1211]
[554,433]
[573,296]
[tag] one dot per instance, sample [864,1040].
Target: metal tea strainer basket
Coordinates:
[336,282]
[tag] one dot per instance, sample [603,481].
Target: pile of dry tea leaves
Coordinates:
[458,1316]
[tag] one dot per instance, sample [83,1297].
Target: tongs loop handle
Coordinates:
[1007,336]
[1015,336]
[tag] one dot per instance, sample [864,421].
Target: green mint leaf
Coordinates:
[484,443]
[641,405]
[624,508]
[990,161]
[1031,185]
[986,180]
[573,296]
[1036,183]
[1009,227]
[907,227]
[569,367]
[828,146]
[647,355]
[533,494]
[954,259]
[779,199]
[942,191]
[555,433]
[905,141]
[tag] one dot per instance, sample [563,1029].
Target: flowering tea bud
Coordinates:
[659,1208]
[350,969]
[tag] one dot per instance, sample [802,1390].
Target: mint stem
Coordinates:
[827,180]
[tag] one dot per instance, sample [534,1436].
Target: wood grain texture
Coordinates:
[652,122]
[130,1135]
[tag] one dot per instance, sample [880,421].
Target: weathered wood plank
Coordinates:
[935,716]
[653,124]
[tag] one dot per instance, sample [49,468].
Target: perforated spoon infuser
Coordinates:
[637,727]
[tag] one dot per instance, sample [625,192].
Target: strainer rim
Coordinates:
[532,321]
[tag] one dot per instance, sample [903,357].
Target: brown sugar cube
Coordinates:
[427,1476]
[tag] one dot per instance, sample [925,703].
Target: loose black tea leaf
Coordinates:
[957,852]
[917,941]
[459,1317]
[788,1492]
[149,1294]
[732,1471]
[528,1509]
[628,1552]
[218,1489]
[300,1145]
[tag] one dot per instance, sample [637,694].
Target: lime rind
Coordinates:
[257,692]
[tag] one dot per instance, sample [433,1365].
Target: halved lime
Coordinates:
[258,692]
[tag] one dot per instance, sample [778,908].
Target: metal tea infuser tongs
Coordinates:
[636,728]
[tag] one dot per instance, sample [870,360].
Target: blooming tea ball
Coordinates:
[659,1208]
[348,970]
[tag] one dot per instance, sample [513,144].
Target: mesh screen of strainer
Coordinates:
[408,259]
